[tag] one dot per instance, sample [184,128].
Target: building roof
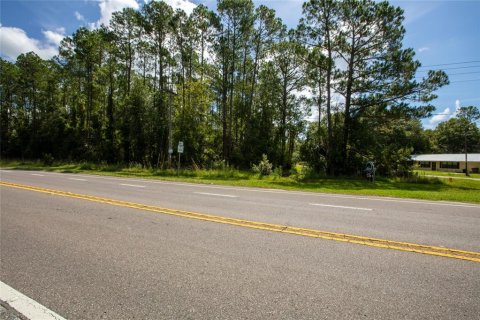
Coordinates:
[447,157]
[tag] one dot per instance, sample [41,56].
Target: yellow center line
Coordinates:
[374,242]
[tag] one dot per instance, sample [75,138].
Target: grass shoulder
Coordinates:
[417,187]
[430,173]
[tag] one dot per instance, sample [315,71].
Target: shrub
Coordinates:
[264,167]
[278,172]
[48,159]
[86,166]
[219,165]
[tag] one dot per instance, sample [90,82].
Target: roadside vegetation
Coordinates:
[226,86]
[304,179]
[427,173]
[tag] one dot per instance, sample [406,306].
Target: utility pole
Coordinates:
[170,107]
[170,150]
[466,154]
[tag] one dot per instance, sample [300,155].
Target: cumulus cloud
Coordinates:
[185,5]
[457,108]
[54,37]
[457,104]
[422,49]
[445,115]
[108,7]
[15,41]
[79,16]
[442,116]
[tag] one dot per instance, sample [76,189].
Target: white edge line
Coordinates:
[38,175]
[342,207]
[77,179]
[315,194]
[25,305]
[131,185]
[216,194]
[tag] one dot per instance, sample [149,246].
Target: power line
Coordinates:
[448,64]
[455,81]
[456,74]
[465,80]
[454,68]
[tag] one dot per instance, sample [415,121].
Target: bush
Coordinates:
[48,159]
[86,166]
[264,167]
[278,172]
[219,165]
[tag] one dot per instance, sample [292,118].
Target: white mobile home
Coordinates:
[450,162]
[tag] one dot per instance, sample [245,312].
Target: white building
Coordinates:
[450,162]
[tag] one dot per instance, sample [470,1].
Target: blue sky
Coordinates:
[443,33]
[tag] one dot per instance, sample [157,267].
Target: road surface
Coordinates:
[99,260]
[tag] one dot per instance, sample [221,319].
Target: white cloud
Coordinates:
[422,49]
[445,115]
[54,37]
[185,5]
[79,16]
[457,108]
[108,7]
[15,41]
[442,116]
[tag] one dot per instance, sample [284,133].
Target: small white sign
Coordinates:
[180,147]
[170,151]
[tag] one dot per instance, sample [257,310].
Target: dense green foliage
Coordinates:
[232,85]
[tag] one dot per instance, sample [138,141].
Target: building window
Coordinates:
[424,164]
[449,165]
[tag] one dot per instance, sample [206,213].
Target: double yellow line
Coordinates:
[374,242]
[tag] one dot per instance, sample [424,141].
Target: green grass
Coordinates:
[446,174]
[418,187]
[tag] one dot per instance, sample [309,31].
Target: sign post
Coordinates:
[180,151]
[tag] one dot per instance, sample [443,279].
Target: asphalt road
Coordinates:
[87,260]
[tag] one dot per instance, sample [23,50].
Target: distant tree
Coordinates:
[450,136]
[360,55]
[205,25]
[379,73]
[468,116]
[126,29]
[8,112]
[317,28]
[288,55]
[236,26]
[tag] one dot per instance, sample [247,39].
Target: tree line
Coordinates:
[232,85]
